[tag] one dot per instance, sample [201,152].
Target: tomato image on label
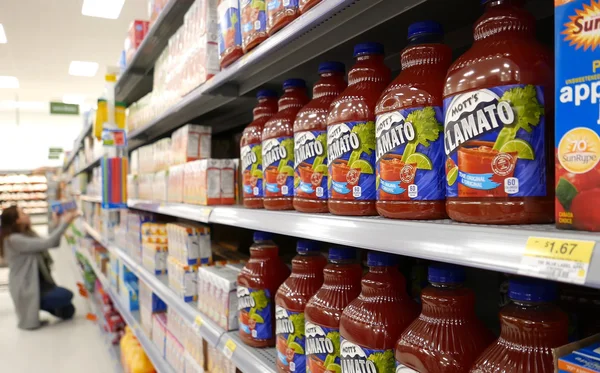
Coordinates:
[252,177]
[494,141]
[278,158]
[255,307]
[310,156]
[289,326]
[322,349]
[357,359]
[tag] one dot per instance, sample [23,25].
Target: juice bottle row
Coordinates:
[326,316]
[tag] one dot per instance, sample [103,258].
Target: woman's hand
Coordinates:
[69,216]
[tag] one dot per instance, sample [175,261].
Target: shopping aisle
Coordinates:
[65,347]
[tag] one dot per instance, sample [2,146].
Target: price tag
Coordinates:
[557,259]
[197,324]
[229,348]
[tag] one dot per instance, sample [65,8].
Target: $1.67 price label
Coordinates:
[557,259]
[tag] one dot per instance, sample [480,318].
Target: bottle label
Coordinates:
[255,312]
[310,154]
[252,174]
[229,25]
[351,161]
[278,166]
[494,140]
[289,327]
[276,8]
[410,155]
[401,368]
[322,349]
[357,359]
[254,16]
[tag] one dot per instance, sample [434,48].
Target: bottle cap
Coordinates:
[342,253]
[368,48]
[305,246]
[262,236]
[292,83]
[379,259]
[531,290]
[424,27]
[265,93]
[445,273]
[331,66]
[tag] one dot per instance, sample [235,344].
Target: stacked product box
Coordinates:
[113,270]
[128,288]
[175,183]
[174,353]
[155,7]
[160,186]
[190,143]
[145,184]
[191,365]
[175,324]
[134,162]
[161,154]
[209,182]
[135,36]
[194,349]
[183,279]
[228,178]
[134,233]
[159,331]
[217,291]
[189,244]
[146,159]
[155,247]
[150,304]
[133,187]
[216,361]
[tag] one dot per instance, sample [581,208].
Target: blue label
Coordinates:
[255,312]
[289,328]
[252,174]
[322,348]
[358,359]
[310,164]
[278,166]
[351,161]
[254,17]
[410,155]
[494,142]
[230,34]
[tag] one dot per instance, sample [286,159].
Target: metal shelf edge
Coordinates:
[180,210]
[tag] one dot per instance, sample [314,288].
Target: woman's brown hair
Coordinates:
[8,225]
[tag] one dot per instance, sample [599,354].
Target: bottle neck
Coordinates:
[505,19]
[448,301]
[330,84]
[369,68]
[384,281]
[340,273]
[266,107]
[424,54]
[264,250]
[293,97]
[303,263]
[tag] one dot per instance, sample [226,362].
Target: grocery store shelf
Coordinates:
[96,199]
[95,162]
[78,143]
[248,359]
[135,81]
[180,210]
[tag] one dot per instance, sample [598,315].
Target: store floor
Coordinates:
[61,347]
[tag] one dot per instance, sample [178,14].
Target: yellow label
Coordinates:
[230,345]
[198,321]
[553,248]
[579,150]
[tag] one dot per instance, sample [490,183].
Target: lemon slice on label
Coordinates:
[522,147]
[452,175]
[287,170]
[257,173]
[296,347]
[333,367]
[322,168]
[363,165]
[423,162]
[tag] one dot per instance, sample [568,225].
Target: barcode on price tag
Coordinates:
[557,259]
[229,348]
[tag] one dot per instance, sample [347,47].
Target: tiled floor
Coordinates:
[61,347]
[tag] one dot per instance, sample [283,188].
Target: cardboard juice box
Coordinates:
[577,122]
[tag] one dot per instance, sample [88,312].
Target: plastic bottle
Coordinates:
[410,142]
[290,301]
[498,130]
[257,283]
[372,323]
[310,140]
[278,147]
[251,149]
[322,313]
[306,5]
[230,33]
[280,13]
[531,326]
[448,310]
[254,23]
[351,134]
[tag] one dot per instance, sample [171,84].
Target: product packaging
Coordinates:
[579,357]
[174,353]
[60,207]
[230,34]
[189,244]
[183,279]
[135,36]
[175,184]
[228,178]
[210,181]
[217,288]
[254,23]
[159,331]
[161,154]
[154,257]
[160,186]
[194,348]
[190,142]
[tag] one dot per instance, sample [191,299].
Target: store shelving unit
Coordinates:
[180,210]
[96,199]
[78,143]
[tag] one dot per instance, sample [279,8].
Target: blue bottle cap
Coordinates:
[342,253]
[531,290]
[445,273]
[262,236]
[424,27]
[292,83]
[305,246]
[368,48]
[331,66]
[266,93]
[379,259]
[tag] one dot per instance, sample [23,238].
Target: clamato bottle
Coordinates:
[409,130]
[278,147]
[251,149]
[310,140]
[322,313]
[351,134]
[498,126]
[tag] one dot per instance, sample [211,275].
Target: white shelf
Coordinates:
[179,210]
[96,199]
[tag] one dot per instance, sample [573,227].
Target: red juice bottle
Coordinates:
[372,323]
[310,140]
[278,147]
[448,310]
[230,34]
[322,313]
[280,13]
[306,5]
[531,327]
[291,298]
[251,149]
[257,283]
[411,180]
[351,134]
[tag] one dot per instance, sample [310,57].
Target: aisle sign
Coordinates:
[62,108]
[229,348]
[557,259]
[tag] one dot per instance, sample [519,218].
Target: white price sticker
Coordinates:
[229,348]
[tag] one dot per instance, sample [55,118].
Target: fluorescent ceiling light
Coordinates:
[3,39]
[83,68]
[102,8]
[73,99]
[9,82]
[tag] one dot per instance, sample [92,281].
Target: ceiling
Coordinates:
[44,36]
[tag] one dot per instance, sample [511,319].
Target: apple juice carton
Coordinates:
[577,140]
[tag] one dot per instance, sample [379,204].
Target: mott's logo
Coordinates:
[583,30]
